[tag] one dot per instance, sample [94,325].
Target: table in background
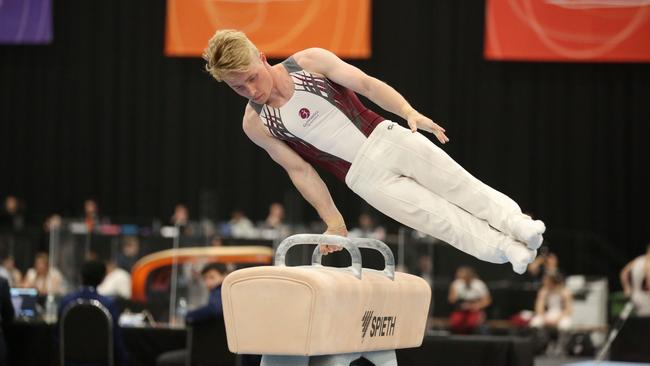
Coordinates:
[469,351]
[33,343]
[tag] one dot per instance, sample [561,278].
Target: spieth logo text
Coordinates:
[380,326]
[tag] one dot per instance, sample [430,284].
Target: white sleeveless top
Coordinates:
[322,121]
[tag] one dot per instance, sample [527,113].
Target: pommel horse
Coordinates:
[325,316]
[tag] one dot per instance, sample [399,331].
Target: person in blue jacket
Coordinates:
[213,275]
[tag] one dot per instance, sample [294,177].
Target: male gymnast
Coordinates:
[304,111]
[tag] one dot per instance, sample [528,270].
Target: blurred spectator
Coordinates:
[117,282]
[635,278]
[216,241]
[181,218]
[51,227]
[470,296]
[53,222]
[91,255]
[424,268]
[546,263]
[275,218]
[274,227]
[207,227]
[6,316]
[91,215]
[213,275]
[46,279]
[240,226]
[13,215]
[10,272]
[129,254]
[554,304]
[92,274]
[368,228]
[181,215]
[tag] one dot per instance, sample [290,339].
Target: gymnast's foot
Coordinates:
[519,256]
[527,230]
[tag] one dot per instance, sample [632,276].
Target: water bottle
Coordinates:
[50,310]
[181,311]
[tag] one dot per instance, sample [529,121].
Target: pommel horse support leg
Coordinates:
[325,316]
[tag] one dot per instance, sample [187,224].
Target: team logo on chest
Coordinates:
[304,113]
[307,116]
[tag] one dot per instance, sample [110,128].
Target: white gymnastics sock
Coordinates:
[519,256]
[526,230]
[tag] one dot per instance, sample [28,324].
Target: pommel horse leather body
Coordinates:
[317,310]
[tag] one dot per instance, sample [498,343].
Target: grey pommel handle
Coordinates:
[378,245]
[320,239]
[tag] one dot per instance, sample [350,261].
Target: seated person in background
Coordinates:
[368,228]
[92,274]
[470,296]
[273,227]
[8,269]
[635,279]
[424,268]
[554,304]
[130,253]
[43,278]
[241,226]
[275,218]
[12,216]
[117,282]
[546,263]
[213,275]
[181,218]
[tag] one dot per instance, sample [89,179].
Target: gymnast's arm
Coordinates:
[328,64]
[302,174]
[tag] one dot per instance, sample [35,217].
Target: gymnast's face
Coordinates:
[255,83]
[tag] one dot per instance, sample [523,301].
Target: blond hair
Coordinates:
[228,50]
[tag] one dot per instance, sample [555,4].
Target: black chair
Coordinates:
[86,333]
[207,344]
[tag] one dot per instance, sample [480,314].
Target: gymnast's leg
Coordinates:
[410,203]
[413,155]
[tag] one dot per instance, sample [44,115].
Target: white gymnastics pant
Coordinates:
[408,178]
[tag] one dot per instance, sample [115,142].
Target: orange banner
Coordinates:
[277,27]
[568,30]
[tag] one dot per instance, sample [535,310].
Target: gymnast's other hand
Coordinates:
[417,120]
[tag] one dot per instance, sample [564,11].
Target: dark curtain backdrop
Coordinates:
[102,112]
